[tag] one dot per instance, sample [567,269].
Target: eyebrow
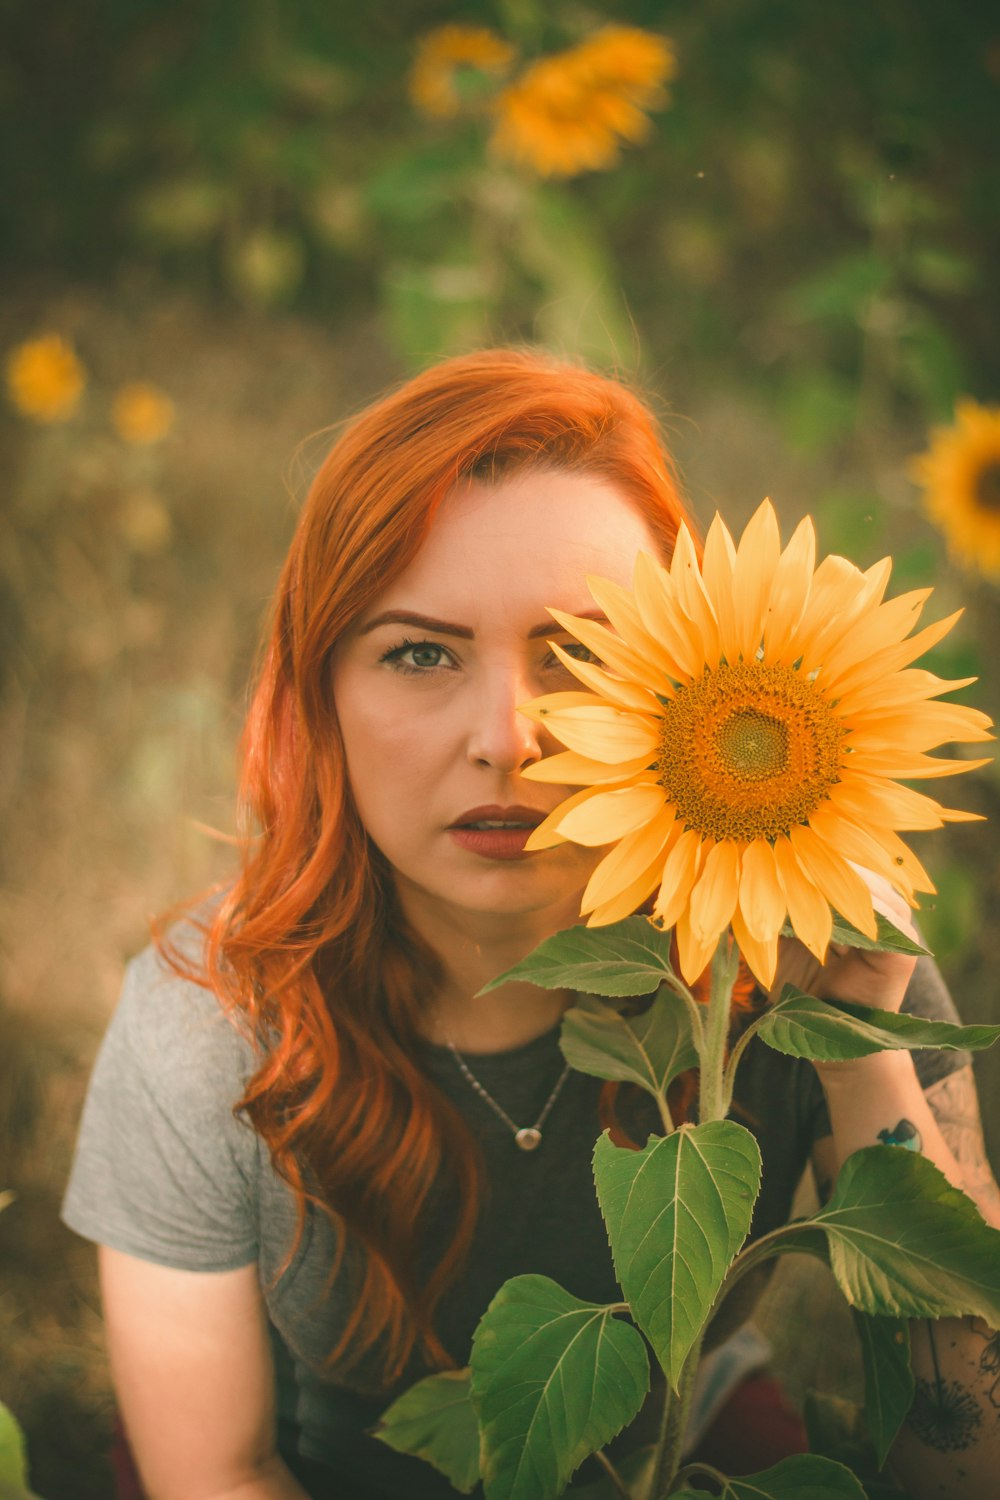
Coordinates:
[464,632]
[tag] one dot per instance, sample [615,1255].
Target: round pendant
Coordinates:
[528,1138]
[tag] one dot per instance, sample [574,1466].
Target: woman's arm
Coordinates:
[192,1368]
[950,1442]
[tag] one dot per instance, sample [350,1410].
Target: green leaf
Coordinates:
[889,939]
[804,1477]
[649,1049]
[904,1243]
[825,1030]
[635,1471]
[553,1379]
[436,1420]
[13,1458]
[677,1213]
[631,957]
[889,1385]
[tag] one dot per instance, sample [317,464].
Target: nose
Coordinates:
[500,738]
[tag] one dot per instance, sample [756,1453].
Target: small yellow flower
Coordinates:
[743,742]
[142,413]
[570,112]
[45,380]
[960,473]
[442,57]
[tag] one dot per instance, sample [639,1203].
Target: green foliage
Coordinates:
[13,1458]
[677,1213]
[792,1479]
[832,1030]
[436,1420]
[626,958]
[888,938]
[903,1242]
[889,1384]
[649,1049]
[553,1379]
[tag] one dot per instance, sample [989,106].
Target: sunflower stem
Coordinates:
[712,1101]
[675,1411]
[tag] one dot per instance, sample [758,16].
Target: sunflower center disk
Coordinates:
[748,751]
[987,486]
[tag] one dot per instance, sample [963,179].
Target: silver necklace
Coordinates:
[528,1137]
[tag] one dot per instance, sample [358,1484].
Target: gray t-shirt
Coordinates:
[165,1172]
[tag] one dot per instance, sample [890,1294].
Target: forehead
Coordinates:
[526,542]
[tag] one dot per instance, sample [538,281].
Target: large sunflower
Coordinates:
[960,473]
[742,741]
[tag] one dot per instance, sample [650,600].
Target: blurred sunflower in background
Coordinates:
[960,474]
[45,379]
[142,413]
[447,63]
[742,740]
[571,112]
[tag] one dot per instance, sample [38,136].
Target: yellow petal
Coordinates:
[689,590]
[760,958]
[791,587]
[569,769]
[694,951]
[713,899]
[606,816]
[599,731]
[624,694]
[622,609]
[907,767]
[863,847]
[717,571]
[890,658]
[836,598]
[547,835]
[612,651]
[874,801]
[934,724]
[762,900]
[628,898]
[842,886]
[663,618]
[679,872]
[897,690]
[628,862]
[756,563]
[876,631]
[808,910]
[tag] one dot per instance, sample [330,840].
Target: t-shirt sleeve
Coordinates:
[163,1170]
[926,996]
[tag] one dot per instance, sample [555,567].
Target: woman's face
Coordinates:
[429,683]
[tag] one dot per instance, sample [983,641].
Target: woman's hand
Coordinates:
[854,974]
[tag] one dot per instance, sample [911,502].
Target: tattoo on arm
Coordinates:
[905,1133]
[956,1108]
[945,1414]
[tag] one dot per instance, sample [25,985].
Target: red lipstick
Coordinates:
[495,832]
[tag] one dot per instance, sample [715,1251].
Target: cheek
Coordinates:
[393,749]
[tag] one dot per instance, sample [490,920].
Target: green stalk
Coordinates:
[712,1101]
[675,1411]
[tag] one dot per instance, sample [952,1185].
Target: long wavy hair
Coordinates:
[308,949]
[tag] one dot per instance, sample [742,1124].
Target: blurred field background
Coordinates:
[223,229]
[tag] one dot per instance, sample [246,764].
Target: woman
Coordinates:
[300,1153]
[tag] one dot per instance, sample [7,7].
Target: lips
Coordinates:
[494,833]
[495,817]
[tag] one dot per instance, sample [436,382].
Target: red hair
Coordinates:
[309,948]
